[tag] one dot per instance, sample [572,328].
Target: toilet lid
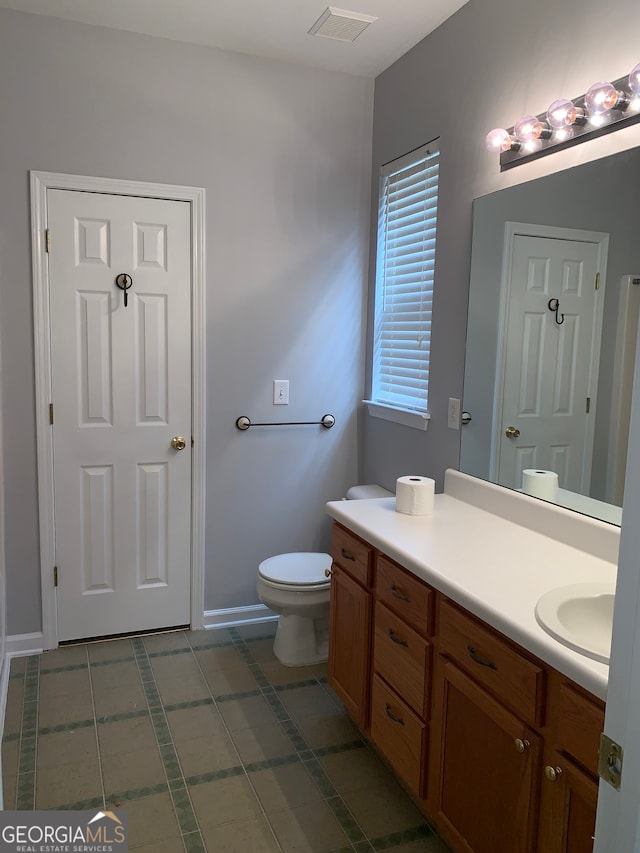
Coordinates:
[301,568]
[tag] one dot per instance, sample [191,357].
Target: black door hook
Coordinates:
[124,282]
[554,305]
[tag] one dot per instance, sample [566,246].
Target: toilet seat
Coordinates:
[299,570]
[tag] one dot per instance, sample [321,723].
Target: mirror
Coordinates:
[600,198]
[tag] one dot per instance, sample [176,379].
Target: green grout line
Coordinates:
[26,782]
[66,727]
[191,703]
[98,663]
[294,685]
[193,843]
[404,836]
[321,751]
[167,653]
[52,670]
[180,798]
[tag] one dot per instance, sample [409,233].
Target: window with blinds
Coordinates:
[404,280]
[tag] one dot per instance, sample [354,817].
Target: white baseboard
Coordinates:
[232,616]
[19,645]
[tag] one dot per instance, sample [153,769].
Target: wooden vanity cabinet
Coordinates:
[570,781]
[402,654]
[349,668]
[498,748]
[486,755]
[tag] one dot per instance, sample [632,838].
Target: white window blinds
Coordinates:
[404,279]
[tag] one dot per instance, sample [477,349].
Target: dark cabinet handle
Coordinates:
[477,659]
[347,555]
[396,639]
[392,716]
[399,593]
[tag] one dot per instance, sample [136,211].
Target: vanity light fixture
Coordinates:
[499,140]
[603,108]
[634,83]
[529,129]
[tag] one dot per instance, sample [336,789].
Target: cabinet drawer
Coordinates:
[399,735]
[405,594]
[492,662]
[578,724]
[353,554]
[402,657]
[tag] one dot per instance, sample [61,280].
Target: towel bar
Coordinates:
[327,421]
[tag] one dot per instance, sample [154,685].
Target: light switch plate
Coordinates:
[280,392]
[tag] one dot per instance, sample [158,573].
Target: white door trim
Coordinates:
[40,183]
[511,230]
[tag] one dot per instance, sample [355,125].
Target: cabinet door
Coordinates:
[568,811]
[485,769]
[350,644]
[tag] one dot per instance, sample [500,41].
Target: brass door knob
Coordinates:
[327,573]
[512,432]
[552,773]
[178,442]
[521,745]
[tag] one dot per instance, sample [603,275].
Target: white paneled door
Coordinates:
[121,393]
[551,360]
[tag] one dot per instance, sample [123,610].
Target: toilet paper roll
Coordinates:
[540,483]
[415,495]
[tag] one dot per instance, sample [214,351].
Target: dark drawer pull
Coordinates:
[347,555]
[392,716]
[396,639]
[476,659]
[399,593]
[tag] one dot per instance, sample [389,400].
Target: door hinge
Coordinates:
[610,761]
[588,406]
[55,576]
[47,240]
[51,414]
[597,281]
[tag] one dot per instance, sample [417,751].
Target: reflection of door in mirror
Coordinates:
[599,196]
[548,359]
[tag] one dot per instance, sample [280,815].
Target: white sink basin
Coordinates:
[580,616]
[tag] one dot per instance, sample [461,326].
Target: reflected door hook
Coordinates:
[554,305]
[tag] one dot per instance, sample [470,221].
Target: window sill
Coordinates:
[406,417]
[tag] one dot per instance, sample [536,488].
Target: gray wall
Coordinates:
[284,155]
[485,67]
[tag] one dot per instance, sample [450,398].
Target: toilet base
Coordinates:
[301,641]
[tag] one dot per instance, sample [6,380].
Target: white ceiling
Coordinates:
[270,28]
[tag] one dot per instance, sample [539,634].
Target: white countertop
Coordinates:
[495,568]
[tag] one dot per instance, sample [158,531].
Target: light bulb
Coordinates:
[604,96]
[562,113]
[499,140]
[528,128]
[634,80]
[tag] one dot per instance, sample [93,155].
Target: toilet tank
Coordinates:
[358,493]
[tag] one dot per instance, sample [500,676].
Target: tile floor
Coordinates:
[207,741]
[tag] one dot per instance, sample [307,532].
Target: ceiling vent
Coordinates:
[340,24]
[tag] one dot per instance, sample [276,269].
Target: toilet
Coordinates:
[297,586]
